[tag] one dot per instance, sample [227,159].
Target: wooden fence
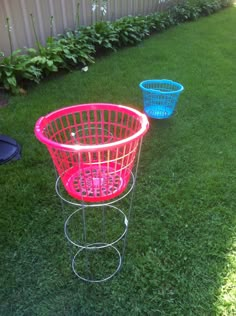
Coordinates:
[66,15]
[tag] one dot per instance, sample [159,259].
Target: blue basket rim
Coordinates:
[177,84]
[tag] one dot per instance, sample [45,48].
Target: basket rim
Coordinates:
[44,120]
[175,83]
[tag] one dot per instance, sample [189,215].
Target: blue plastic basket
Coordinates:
[160,97]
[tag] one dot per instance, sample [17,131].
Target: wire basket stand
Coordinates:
[95,149]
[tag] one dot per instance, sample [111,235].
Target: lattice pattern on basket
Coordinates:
[160,97]
[93,148]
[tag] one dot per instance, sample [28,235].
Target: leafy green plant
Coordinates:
[185,12]
[131,30]
[76,48]
[48,59]
[141,25]
[191,10]
[15,68]
[102,35]
[209,7]
[158,22]
[164,20]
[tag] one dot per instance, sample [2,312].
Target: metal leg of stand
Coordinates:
[97,233]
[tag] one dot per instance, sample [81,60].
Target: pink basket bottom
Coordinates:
[95,183]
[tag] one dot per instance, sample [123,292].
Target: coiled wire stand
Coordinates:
[97,231]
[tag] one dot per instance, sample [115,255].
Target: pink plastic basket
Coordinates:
[93,147]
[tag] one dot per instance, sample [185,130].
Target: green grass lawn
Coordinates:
[181,252]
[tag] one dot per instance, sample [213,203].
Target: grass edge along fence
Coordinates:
[79,48]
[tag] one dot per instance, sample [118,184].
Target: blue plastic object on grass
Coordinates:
[9,149]
[160,97]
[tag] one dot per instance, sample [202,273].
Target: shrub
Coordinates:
[47,58]
[15,68]
[102,35]
[76,48]
[209,7]
[131,30]
[185,12]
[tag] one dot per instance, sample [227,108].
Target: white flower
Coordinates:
[104,10]
[84,69]
[94,7]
